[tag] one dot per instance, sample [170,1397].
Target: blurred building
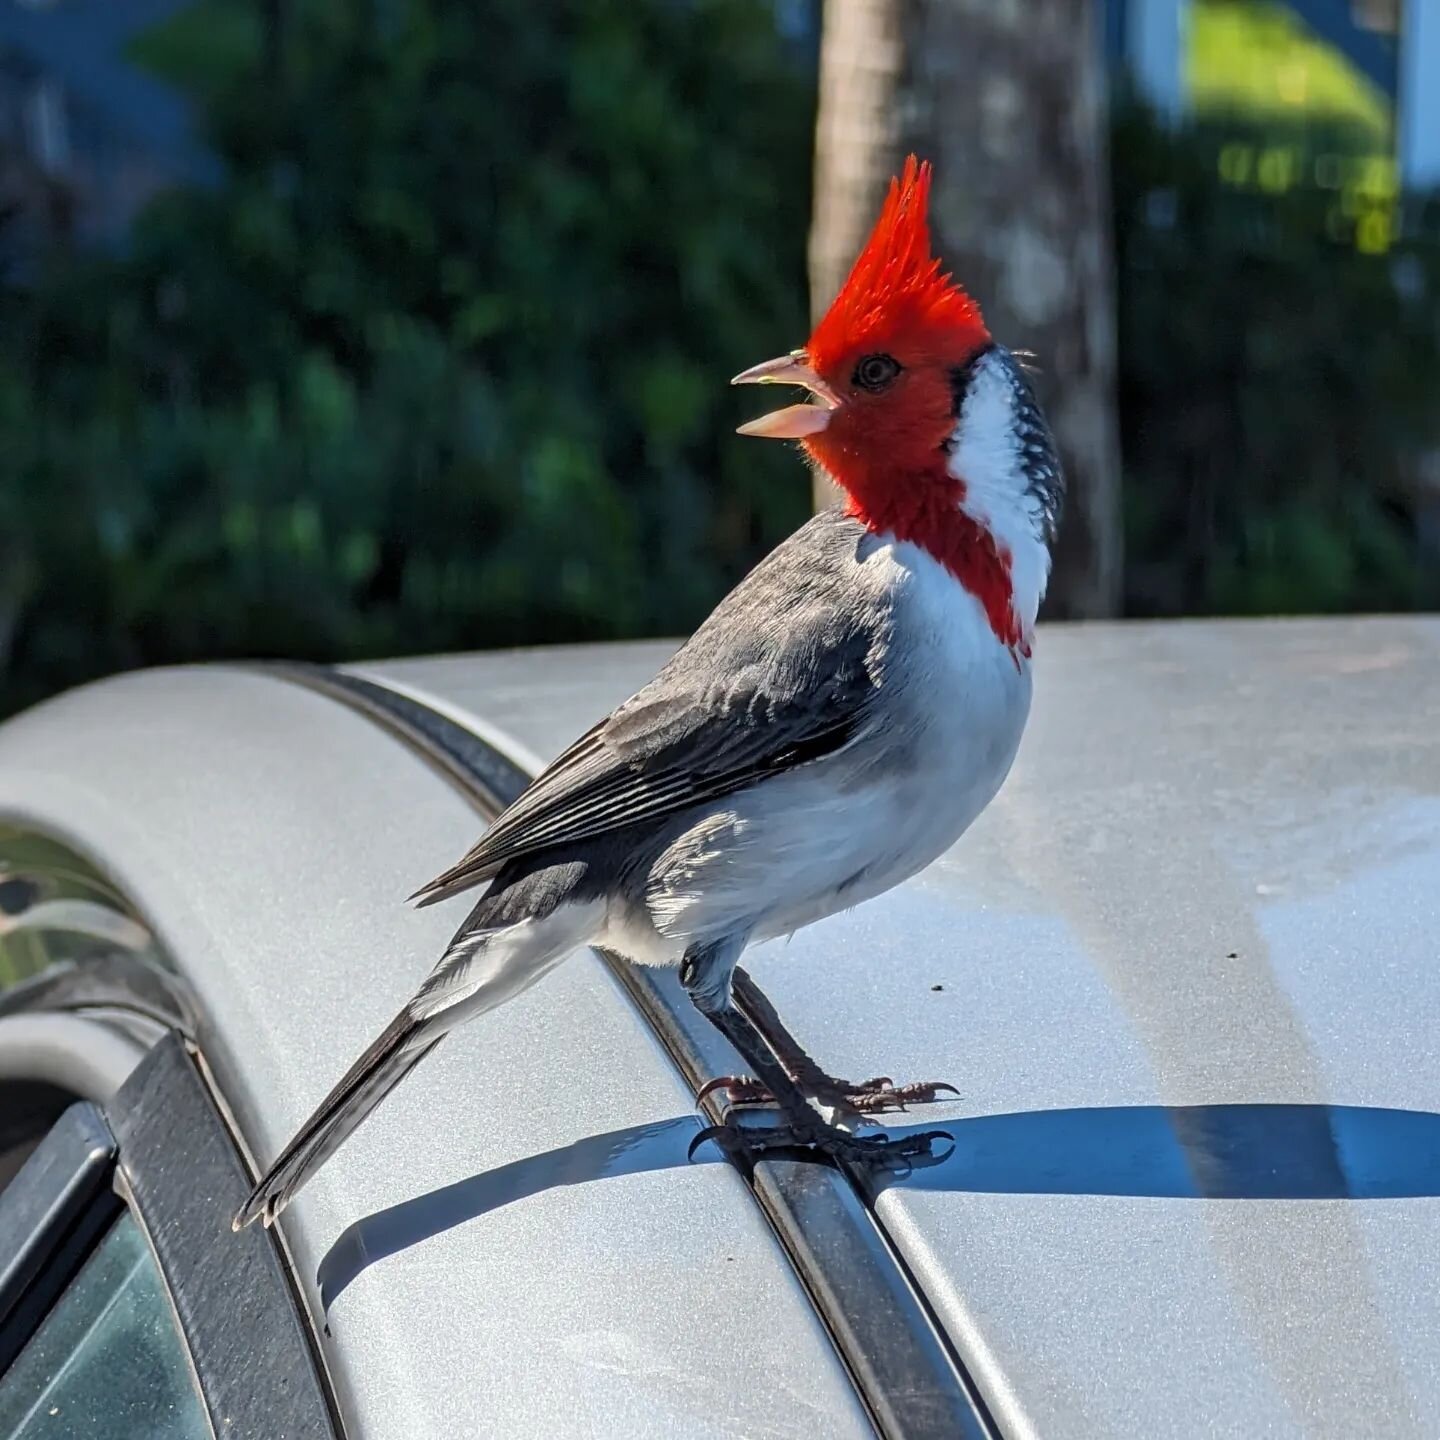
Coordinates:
[1371,65]
[87,136]
[1338,97]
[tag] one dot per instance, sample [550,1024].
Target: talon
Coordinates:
[722,1135]
[868,1097]
[870,1102]
[753,1141]
[720,1082]
[739,1090]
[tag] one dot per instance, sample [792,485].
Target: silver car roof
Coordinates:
[514,1244]
[1184,973]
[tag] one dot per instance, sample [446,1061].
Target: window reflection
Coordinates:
[55,906]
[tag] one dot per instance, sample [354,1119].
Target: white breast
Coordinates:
[972,694]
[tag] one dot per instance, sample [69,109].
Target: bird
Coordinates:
[838,721]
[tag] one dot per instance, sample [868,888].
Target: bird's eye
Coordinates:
[875,372]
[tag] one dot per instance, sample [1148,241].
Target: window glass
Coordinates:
[107,1362]
[54,906]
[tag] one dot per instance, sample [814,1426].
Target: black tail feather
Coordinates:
[386,1062]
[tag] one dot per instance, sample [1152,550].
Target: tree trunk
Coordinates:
[1007,98]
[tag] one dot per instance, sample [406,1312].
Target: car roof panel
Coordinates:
[1183,972]
[534,1254]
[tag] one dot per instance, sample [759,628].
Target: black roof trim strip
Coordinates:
[903,1366]
[251,1346]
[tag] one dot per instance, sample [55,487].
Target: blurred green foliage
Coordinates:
[441,364]
[1279,371]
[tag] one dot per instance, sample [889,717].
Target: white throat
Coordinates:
[988,456]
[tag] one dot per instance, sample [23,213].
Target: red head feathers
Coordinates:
[896,289]
[883,361]
[887,364]
[888,350]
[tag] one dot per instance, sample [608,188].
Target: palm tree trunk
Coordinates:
[1008,101]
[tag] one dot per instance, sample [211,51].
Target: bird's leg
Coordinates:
[706,973]
[754,1003]
[867,1096]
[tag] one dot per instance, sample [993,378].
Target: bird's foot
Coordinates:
[868,1097]
[746,1143]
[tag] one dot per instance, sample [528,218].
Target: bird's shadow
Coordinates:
[657,1146]
[1191,1152]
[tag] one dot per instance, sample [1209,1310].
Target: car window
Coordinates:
[107,1361]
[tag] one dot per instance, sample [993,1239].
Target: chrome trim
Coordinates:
[107,984]
[75,1053]
[901,1361]
[903,1365]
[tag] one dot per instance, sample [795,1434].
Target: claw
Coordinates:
[872,1102]
[739,1090]
[710,1132]
[721,1082]
[869,1097]
[727,1137]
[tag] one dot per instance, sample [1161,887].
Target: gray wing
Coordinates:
[783,672]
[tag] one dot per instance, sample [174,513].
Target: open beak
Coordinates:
[794,422]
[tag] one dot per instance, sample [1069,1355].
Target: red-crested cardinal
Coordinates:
[838,721]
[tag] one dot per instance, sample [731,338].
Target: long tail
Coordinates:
[388,1060]
[481,969]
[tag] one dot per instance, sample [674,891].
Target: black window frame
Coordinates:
[52,1215]
[161,1148]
